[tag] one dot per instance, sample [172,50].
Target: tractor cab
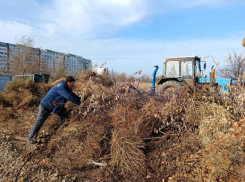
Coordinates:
[182,69]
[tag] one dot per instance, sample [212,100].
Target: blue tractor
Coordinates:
[181,71]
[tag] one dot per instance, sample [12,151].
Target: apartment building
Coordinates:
[3,56]
[53,60]
[80,61]
[88,64]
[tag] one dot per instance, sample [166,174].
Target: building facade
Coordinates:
[3,56]
[53,60]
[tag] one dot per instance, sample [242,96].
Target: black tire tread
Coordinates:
[168,84]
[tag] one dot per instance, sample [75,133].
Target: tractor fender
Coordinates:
[163,80]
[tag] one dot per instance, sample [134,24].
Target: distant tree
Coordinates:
[123,77]
[43,67]
[118,77]
[57,74]
[145,79]
[24,59]
[235,67]
[59,70]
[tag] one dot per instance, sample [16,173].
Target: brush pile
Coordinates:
[195,135]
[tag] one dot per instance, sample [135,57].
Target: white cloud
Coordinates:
[98,18]
[73,26]
[93,18]
[10,31]
[93,15]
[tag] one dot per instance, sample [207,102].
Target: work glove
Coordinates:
[85,103]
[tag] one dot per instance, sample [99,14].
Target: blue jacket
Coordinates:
[57,97]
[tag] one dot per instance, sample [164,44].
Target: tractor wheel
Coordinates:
[169,88]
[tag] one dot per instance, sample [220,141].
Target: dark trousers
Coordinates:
[42,115]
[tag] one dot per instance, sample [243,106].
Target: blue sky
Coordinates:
[130,35]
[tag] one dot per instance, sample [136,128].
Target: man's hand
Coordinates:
[85,103]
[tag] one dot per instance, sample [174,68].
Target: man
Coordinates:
[54,102]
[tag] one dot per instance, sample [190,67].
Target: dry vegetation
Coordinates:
[195,135]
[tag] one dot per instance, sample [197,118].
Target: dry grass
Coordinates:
[194,135]
[127,157]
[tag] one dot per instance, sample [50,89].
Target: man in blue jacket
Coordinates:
[54,102]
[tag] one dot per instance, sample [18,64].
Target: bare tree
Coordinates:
[43,67]
[59,70]
[122,77]
[235,67]
[24,59]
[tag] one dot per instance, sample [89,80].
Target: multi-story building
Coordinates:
[16,50]
[52,59]
[79,63]
[71,63]
[59,62]
[88,64]
[13,51]
[44,56]
[75,64]
[3,56]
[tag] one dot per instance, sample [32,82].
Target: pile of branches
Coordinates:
[117,136]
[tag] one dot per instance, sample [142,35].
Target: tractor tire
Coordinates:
[169,87]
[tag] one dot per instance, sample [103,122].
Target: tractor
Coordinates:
[181,71]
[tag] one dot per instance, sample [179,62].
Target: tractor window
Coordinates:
[172,69]
[197,67]
[186,68]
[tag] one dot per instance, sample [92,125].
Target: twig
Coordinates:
[210,176]
[153,138]
[97,163]
[18,173]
